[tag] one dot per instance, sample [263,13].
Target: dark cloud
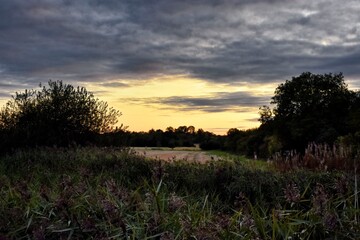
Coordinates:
[218,41]
[4,95]
[8,88]
[5,85]
[218,102]
[114,84]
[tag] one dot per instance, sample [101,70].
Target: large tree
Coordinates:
[311,107]
[58,114]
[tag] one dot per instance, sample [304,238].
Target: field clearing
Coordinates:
[193,155]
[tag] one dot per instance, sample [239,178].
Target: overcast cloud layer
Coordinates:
[225,41]
[217,102]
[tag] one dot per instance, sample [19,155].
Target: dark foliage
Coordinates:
[58,114]
[308,108]
[312,107]
[183,136]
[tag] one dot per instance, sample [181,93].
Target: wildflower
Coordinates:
[341,185]
[222,221]
[66,182]
[108,207]
[319,199]
[330,221]
[149,199]
[292,193]
[240,201]
[247,222]
[39,233]
[278,213]
[62,203]
[175,202]
[24,191]
[118,191]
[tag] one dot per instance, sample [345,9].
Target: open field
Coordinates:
[193,155]
[111,193]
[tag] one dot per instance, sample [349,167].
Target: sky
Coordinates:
[206,63]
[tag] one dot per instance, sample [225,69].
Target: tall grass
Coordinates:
[318,157]
[93,193]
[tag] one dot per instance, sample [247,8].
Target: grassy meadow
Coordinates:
[111,193]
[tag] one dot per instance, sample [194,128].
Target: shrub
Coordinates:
[58,114]
[318,157]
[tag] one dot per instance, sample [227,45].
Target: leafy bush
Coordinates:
[58,114]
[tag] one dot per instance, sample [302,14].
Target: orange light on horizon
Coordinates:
[143,116]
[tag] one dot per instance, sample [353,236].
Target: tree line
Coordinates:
[308,108]
[183,136]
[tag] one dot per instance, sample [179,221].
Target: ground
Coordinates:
[176,154]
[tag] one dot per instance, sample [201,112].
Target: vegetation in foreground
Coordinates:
[94,193]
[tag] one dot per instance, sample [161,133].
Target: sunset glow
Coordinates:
[143,109]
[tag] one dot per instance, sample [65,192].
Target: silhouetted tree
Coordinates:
[265,114]
[354,114]
[170,129]
[181,129]
[311,107]
[190,129]
[232,137]
[58,114]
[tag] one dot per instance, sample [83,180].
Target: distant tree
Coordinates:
[354,115]
[58,114]
[311,107]
[190,129]
[265,114]
[233,132]
[200,131]
[181,129]
[232,137]
[170,129]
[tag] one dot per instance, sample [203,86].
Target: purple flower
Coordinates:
[292,193]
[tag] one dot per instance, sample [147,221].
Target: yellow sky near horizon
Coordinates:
[143,116]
